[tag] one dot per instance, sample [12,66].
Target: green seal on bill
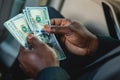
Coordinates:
[38,19]
[24,29]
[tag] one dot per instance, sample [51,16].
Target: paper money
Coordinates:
[33,20]
[19,28]
[38,17]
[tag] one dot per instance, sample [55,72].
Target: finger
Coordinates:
[21,48]
[77,27]
[57,30]
[46,28]
[34,42]
[75,50]
[24,55]
[21,51]
[65,22]
[24,69]
[60,22]
[56,21]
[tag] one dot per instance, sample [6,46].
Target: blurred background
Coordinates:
[91,13]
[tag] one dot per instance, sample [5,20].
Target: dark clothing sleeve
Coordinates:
[106,44]
[53,73]
[54,13]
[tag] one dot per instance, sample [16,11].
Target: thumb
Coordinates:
[33,41]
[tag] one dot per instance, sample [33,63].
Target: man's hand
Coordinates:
[74,36]
[40,57]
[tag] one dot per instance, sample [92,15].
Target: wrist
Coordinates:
[48,74]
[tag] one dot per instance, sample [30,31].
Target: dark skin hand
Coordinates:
[37,59]
[76,38]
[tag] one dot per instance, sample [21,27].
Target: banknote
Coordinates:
[38,17]
[27,18]
[33,20]
[19,28]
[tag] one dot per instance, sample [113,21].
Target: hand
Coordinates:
[76,38]
[37,59]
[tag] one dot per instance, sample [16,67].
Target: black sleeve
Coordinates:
[106,44]
[53,13]
[53,73]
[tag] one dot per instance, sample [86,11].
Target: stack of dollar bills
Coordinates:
[32,20]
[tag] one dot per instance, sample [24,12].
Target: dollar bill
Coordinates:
[19,28]
[37,18]
[33,20]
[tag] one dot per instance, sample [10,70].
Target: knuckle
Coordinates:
[42,44]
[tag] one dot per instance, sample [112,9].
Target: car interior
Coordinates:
[101,17]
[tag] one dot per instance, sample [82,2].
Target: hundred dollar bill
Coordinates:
[19,28]
[37,18]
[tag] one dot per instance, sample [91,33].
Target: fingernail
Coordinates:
[47,29]
[30,36]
